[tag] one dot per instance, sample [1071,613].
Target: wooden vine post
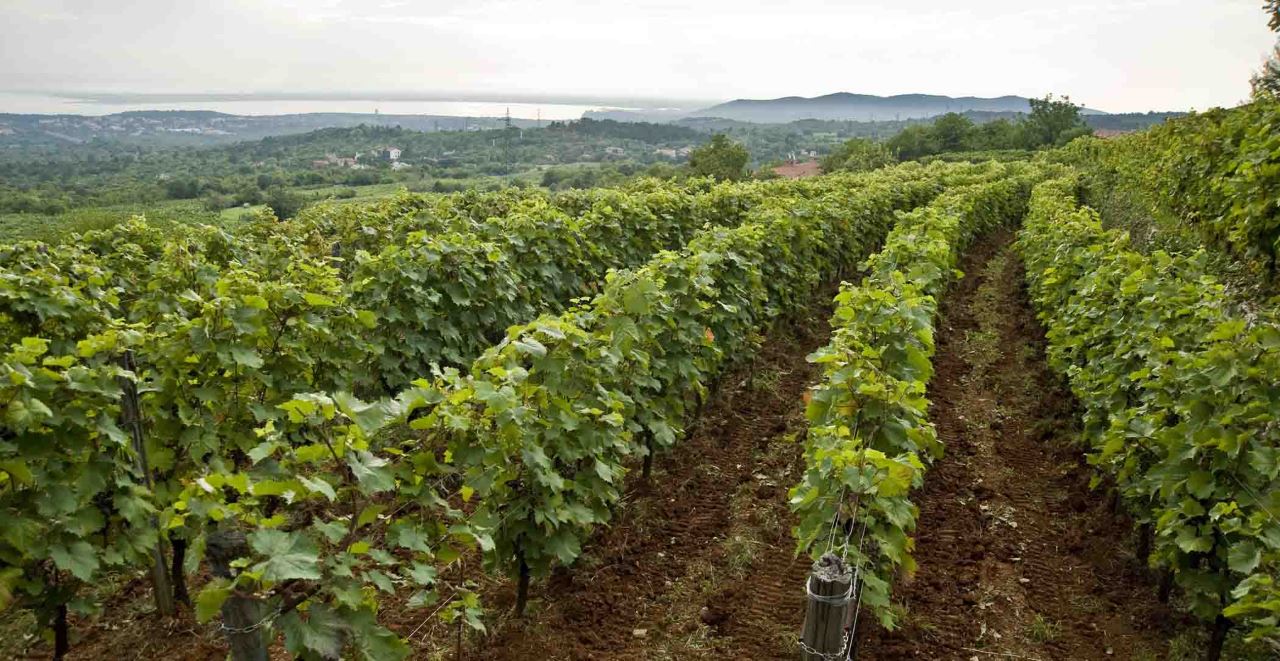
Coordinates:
[830,592]
[523,575]
[647,471]
[242,617]
[1218,631]
[131,412]
[522,586]
[61,634]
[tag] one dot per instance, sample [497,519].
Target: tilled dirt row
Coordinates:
[700,562]
[1018,558]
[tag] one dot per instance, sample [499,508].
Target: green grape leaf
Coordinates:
[289,555]
[79,558]
[209,601]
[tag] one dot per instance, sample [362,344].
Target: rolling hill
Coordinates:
[863,107]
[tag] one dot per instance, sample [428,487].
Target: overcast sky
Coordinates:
[1116,55]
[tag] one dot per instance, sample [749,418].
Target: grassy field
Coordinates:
[362,192]
[56,227]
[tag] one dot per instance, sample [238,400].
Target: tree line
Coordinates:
[1053,121]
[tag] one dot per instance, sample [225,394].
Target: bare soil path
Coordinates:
[1018,557]
[700,562]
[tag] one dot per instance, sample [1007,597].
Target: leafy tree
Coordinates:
[721,158]
[914,142]
[216,202]
[1000,134]
[951,132]
[1266,83]
[247,194]
[183,188]
[1054,121]
[858,155]
[285,202]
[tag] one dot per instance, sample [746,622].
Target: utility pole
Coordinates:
[506,139]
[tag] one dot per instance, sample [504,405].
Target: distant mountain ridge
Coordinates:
[862,107]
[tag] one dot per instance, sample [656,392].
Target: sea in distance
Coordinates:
[55,103]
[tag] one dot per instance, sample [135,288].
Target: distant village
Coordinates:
[78,128]
[392,156]
[386,154]
[204,127]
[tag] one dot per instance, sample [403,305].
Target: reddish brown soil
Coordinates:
[799,170]
[714,512]
[1018,558]
[699,562]
[126,628]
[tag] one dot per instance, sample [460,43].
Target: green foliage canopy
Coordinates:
[858,155]
[869,438]
[1180,400]
[1054,122]
[721,158]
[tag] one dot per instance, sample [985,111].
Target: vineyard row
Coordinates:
[166,386]
[1179,391]
[870,439]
